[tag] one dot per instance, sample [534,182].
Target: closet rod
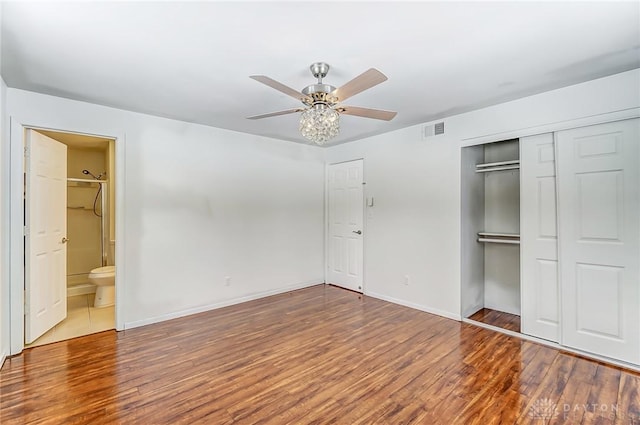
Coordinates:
[500,235]
[506,241]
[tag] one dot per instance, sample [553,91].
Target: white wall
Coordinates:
[202,203]
[199,204]
[414,227]
[4,282]
[4,242]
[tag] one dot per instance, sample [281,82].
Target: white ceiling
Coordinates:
[191,60]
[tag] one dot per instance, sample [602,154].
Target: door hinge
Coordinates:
[25,231]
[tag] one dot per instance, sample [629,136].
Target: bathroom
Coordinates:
[90,237]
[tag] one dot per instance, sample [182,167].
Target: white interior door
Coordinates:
[45,230]
[539,238]
[599,231]
[346,215]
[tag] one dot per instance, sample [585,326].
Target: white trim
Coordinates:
[365,228]
[325,239]
[120,225]
[3,357]
[16,240]
[15,164]
[226,303]
[553,127]
[430,310]
[555,345]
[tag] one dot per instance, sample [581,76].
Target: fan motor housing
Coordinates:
[319,93]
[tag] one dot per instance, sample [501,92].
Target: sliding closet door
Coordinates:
[538,238]
[599,213]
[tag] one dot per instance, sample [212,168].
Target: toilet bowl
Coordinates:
[104,278]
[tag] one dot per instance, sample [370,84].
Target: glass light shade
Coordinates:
[319,124]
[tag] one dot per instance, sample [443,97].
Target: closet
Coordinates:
[551,234]
[491,226]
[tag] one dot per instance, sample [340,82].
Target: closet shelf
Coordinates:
[498,166]
[500,235]
[492,237]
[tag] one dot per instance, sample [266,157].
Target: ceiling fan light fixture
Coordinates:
[320,118]
[319,123]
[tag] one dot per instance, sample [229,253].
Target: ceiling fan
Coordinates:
[320,118]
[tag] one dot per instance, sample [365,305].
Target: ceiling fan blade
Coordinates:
[364,81]
[279,86]
[275,114]
[377,114]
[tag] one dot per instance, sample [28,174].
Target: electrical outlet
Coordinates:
[406,279]
[227,280]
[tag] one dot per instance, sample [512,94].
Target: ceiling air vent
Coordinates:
[432,130]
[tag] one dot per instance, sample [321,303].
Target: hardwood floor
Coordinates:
[320,355]
[496,318]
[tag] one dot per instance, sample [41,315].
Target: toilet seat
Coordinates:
[103,271]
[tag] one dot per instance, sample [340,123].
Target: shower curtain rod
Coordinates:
[71,179]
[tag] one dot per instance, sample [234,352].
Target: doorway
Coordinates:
[345,188]
[88,241]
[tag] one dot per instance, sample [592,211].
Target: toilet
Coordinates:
[105,280]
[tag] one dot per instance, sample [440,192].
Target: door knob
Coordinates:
[359,232]
[64,240]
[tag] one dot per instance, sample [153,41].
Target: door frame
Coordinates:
[16,272]
[364,219]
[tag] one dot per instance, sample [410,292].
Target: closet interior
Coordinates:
[491,234]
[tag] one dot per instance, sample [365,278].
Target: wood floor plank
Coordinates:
[497,318]
[627,407]
[320,355]
[575,396]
